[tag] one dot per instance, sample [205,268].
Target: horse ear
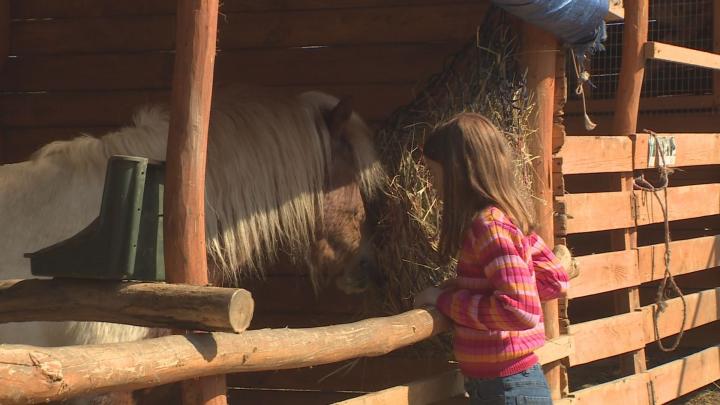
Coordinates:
[339,116]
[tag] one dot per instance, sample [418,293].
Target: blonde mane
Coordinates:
[267,163]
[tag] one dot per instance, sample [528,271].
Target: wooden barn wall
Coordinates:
[85,65]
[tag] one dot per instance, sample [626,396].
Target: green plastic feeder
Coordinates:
[126,241]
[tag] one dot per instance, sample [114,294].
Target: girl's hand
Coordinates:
[427,297]
[449,283]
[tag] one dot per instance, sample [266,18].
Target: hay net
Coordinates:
[482,77]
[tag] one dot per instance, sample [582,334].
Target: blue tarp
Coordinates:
[579,23]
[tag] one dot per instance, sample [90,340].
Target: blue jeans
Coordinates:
[528,387]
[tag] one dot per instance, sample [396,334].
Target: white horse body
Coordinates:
[253,186]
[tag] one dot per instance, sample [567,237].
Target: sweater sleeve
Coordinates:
[550,275]
[514,303]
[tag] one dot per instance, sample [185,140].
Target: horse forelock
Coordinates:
[371,175]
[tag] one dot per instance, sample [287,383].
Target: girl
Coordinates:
[504,269]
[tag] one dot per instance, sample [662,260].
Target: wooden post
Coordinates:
[185,254]
[627,105]
[540,52]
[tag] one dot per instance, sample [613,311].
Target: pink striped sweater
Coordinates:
[503,276]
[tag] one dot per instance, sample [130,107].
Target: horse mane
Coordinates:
[267,162]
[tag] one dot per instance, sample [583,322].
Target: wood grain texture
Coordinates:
[280,29]
[40,374]
[677,54]
[596,154]
[155,305]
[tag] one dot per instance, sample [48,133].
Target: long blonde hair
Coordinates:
[477,172]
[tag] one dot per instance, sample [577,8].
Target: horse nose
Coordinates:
[364,276]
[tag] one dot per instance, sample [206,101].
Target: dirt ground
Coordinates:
[709,395]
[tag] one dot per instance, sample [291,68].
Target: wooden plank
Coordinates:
[21,143]
[114,108]
[618,334]
[605,272]
[629,390]
[702,308]
[423,392]
[250,30]
[449,384]
[26,9]
[683,203]
[596,154]
[588,212]
[333,65]
[692,150]
[136,365]
[677,54]
[687,256]
[663,103]
[616,11]
[555,349]
[682,376]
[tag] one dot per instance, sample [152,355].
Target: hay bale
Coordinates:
[483,77]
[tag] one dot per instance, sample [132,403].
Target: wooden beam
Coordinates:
[618,334]
[184,206]
[156,305]
[633,390]
[605,272]
[32,374]
[423,392]
[678,54]
[540,49]
[616,12]
[669,381]
[688,256]
[684,375]
[596,154]
[449,384]
[691,150]
[633,330]
[589,212]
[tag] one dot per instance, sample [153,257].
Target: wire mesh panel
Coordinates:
[686,23]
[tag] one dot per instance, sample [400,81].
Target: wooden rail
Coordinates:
[655,386]
[449,384]
[678,54]
[610,154]
[633,330]
[580,211]
[155,305]
[33,374]
[615,270]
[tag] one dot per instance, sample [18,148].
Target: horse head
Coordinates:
[343,249]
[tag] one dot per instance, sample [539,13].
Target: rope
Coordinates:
[582,78]
[668,283]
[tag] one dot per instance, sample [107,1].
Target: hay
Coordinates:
[482,77]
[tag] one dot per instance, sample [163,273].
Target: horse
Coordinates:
[287,175]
